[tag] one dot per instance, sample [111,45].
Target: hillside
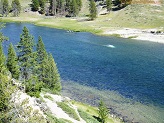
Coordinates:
[52,108]
[146,15]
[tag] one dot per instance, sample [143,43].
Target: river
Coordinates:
[132,70]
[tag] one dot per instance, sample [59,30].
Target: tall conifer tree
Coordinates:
[73,8]
[12,63]
[79,4]
[45,71]
[42,6]
[53,5]
[41,58]
[93,10]
[41,51]
[35,5]
[5,87]
[16,7]
[28,64]
[5,7]
[54,83]
[25,54]
[2,60]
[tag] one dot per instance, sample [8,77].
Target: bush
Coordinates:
[48,97]
[33,87]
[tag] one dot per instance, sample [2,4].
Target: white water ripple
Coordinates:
[110,46]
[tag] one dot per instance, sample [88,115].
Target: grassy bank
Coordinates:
[132,16]
[93,111]
[52,22]
[124,108]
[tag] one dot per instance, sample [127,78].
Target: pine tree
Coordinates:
[93,10]
[25,54]
[42,6]
[41,58]
[16,7]
[41,51]
[5,87]
[12,63]
[3,104]
[33,86]
[5,95]
[68,6]
[79,4]
[29,64]
[3,98]
[2,37]
[45,71]
[102,111]
[54,83]
[35,5]
[5,7]
[109,5]
[73,8]
[60,6]
[50,75]
[52,7]
[2,60]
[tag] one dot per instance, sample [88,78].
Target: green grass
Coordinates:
[87,108]
[70,111]
[48,97]
[130,37]
[91,96]
[52,119]
[115,35]
[142,16]
[91,111]
[132,16]
[88,118]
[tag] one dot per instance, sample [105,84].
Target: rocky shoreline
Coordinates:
[152,35]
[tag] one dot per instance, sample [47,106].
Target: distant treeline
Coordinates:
[68,8]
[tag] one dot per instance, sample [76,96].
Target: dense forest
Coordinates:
[68,8]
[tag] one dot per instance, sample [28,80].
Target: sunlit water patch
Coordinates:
[110,46]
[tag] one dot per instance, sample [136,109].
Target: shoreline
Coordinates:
[125,109]
[151,35]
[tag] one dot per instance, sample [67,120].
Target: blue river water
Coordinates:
[135,69]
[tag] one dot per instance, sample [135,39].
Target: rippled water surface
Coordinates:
[134,69]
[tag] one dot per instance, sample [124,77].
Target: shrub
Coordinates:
[48,97]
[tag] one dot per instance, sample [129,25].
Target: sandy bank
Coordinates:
[138,34]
